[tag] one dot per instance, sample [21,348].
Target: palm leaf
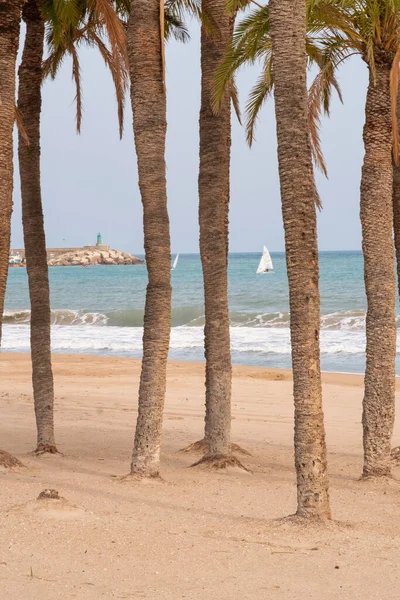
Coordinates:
[120,77]
[76,76]
[258,95]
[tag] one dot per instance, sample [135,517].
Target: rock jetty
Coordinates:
[94,257]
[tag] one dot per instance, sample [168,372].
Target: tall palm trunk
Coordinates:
[396,199]
[299,197]
[149,125]
[376,212]
[29,105]
[396,217]
[215,143]
[10,18]
[396,203]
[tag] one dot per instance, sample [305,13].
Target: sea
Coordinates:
[99,310]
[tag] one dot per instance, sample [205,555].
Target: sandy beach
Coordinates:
[196,535]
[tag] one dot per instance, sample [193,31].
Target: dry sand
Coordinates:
[198,535]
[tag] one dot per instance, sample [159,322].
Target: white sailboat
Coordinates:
[265,265]
[175,262]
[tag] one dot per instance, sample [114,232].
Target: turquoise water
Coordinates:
[100,310]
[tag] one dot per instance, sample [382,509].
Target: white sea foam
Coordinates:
[128,340]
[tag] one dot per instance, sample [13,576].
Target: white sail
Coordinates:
[175,262]
[265,262]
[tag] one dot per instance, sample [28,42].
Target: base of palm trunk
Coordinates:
[202,447]
[45,449]
[220,462]
[140,477]
[8,461]
[378,476]
[300,521]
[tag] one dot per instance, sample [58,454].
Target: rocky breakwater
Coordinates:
[86,257]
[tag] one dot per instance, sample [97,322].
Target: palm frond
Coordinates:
[53,63]
[192,8]
[76,76]
[235,99]
[315,93]
[182,7]
[119,76]
[258,95]
[88,25]
[61,15]
[113,26]
[250,42]
[233,6]
[174,27]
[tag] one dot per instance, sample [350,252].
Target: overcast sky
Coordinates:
[89,182]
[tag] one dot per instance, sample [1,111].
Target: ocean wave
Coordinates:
[117,318]
[343,320]
[58,317]
[192,316]
[128,340]
[185,315]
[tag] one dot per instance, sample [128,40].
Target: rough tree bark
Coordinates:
[376,212]
[214,180]
[29,105]
[148,99]
[299,198]
[10,19]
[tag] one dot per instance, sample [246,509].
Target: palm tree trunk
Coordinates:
[29,105]
[215,144]
[10,18]
[396,217]
[376,212]
[149,125]
[299,198]
[396,211]
[396,200]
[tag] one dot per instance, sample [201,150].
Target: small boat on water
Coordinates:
[175,262]
[265,265]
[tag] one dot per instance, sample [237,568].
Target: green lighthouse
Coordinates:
[99,243]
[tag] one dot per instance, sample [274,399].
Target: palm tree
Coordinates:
[29,106]
[10,18]
[84,23]
[149,24]
[396,200]
[145,39]
[252,45]
[376,211]
[372,29]
[65,32]
[299,199]
[339,29]
[214,183]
